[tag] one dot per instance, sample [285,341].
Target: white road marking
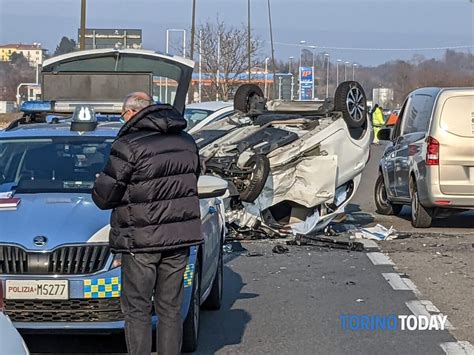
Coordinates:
[400,283]
[426,308]
[458,348]
[368,244]
[380,259]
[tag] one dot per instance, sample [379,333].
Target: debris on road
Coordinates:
[254,253]
[325,242]
[378,232]
[280,249]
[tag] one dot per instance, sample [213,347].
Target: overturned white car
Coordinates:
[291,166]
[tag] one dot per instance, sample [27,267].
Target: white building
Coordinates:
[33,53]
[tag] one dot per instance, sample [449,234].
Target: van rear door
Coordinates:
[456,139]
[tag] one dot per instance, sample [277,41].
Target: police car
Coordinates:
[56,267]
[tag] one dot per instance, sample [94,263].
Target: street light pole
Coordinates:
[345,70]
[313,69]
[248,43]
[299,70]
[353,71]
[289,64]
[266,76]
[337,71]
[326,55]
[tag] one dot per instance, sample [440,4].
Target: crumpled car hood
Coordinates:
[61,218]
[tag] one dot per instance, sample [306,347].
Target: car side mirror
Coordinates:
[211,186]
[385,134]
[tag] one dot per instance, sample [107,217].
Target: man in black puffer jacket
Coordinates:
[150,182]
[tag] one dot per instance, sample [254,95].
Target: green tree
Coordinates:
[18,59]
[66,45]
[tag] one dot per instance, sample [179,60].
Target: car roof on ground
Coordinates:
[210,105]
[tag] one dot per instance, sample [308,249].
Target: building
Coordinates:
[33,53]
[7,106]
[96,38]
[382,96]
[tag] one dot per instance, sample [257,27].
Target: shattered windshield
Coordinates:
[65,164]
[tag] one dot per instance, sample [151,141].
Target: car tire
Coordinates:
[382,203]
[214,300]
[421,217]
[191,323]
[350,99]
[245,95]
[260,170]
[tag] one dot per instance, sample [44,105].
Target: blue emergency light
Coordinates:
[37,106]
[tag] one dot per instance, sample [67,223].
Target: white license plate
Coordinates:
[37,289]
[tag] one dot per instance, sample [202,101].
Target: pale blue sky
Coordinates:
[334,23]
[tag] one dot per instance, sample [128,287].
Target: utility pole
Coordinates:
[82,43]
[273,50]
[248,39]
[191,50]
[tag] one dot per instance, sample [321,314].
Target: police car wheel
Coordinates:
[191,323]
[214,300]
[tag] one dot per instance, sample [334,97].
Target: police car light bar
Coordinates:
[102,107]
[37,106]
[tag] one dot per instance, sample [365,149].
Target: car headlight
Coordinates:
[116,262]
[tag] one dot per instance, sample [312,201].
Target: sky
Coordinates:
[334,26]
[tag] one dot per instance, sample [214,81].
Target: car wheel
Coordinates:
[350,99]
[260,166]
[245,96]
[191,323]
[214,300]
[382,203]
[421,216]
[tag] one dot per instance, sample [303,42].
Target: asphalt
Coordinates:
[291,303]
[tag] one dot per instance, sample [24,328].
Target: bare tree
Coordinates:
[224,57]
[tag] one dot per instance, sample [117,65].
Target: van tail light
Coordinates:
[1,297]
[432,151]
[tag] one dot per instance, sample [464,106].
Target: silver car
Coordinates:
[429,163]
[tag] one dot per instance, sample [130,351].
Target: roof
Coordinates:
[211,105]
[63,129]
[22,46]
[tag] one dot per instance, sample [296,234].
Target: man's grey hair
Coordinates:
[137,101]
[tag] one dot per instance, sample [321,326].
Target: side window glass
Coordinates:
[403,117]
[418,115]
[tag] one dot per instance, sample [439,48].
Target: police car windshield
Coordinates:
[63,164]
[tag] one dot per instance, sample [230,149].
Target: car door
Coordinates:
[390,153]
[414,128]
[211,233]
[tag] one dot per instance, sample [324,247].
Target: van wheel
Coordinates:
[350,99]
[260,166]
[214,300]
[191,323]
[421,216]
[383,204]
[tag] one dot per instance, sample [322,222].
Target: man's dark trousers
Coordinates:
[161,275]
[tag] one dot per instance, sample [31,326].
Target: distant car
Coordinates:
[55,261]
[291,166]
[11,341]
[429,163]
[201,114]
